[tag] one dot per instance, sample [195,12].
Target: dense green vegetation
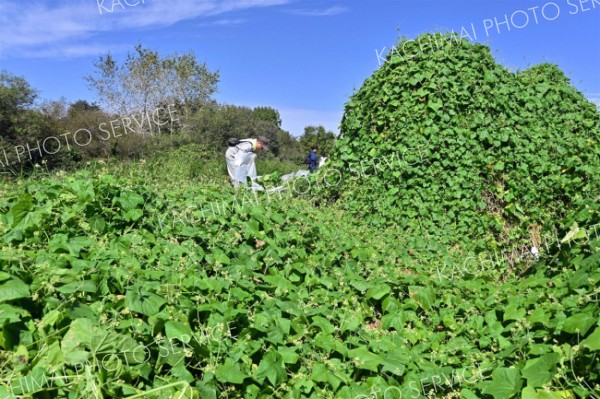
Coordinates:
[119,280]
[153,278]
[449,136]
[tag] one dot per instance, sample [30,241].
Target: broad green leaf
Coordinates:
[394,362]
[271,367]
[50,318]
[130,200]
[220,257]
[423,296]
[35,381]
[78,286]
[505,383]
[394,320]
[321,373]
[19,210]
[134,214]
[145,303]
[529,393]
[323,324]
[77,340]
[379,291]
[592,342]
[363,359]
[230,373]
[580,322]
[176,330]
[10,314]
[514,312]
[541,370]
[288,355]
[13,289]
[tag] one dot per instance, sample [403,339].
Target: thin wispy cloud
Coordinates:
[224,22]
[34,29]
[75,51]
[335,10]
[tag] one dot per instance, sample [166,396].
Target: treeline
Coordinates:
[145,105]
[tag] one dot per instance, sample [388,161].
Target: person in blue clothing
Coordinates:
[312,159]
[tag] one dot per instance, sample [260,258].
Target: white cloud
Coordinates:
[29,29]
[236,21]
[224,22]
[335,10]
[75,50]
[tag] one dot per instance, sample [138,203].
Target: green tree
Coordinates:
[81,106]
[23,128]
[16,97]
[290,148]
[214,123]
[267,114]
[146,81]
[84,115]
[318,136]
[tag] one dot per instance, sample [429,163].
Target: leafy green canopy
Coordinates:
[443,134]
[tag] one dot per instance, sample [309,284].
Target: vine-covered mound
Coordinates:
[443,134]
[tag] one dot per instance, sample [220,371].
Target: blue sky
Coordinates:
[303,57]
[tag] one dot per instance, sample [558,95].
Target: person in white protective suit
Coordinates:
[240,159]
